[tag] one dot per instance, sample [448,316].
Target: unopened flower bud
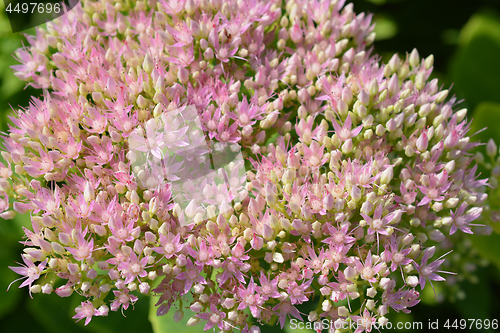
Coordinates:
[391,125]
[393,85]
[183,75]
[193,321]
[257,242]
[364,98]
[178,315]
[64,291]
[491,148]
[414,58]
[450,166]
[436,235]
[371,292]
[349,273]
[208,54]
[47,288]
[451,140]
[343,311]
[254,329]
[355,193]
[348,146]
[412,280]
[366,208]
[387,175]
[422,142]
[461,115]
[429,61]
[328,202]
[228,303]
[36,288]
[373,87]
[387,284]
[441,96]
[148,64]
[380,130]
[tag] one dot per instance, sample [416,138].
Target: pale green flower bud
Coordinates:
[461,115]
[355,193]
[380,130]
[208,54]
[419,81]
[348,146]
[373,87]
[391,125]
[193,321]
[142,102]
[491,148]
[424,110]
[383,96]
[367,121]
[441,96]
[387,175]
[436,235]
[414,58]
[148,64]
[429,61]
[421,123]
[450,166]
[367,207]
[394,63]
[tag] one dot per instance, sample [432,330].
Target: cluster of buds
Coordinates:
[355,169]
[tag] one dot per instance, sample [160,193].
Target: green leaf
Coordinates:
[428,295]
[483,23]
[377,2]
[4,22]
[488,247]
[55,315]
[478,294]
[8,257]
[8,299]
[11,85]
[475,68]
[166,323]
[486,115]
[385,27]
[19,317]
[10,253]
[134,319]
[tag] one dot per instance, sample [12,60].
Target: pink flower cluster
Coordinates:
[355,168]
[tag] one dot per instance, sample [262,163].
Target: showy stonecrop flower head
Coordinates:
[129,163]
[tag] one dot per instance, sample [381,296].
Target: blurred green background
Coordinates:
[464,37]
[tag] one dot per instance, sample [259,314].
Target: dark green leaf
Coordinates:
[55,315]
[486,115]
[488,247]
[476,69]
[478,294]
[10,253]
[135,319]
